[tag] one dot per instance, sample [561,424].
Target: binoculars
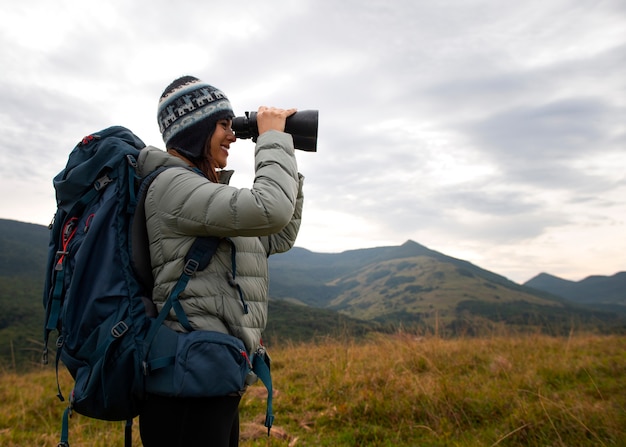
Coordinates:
[301,125]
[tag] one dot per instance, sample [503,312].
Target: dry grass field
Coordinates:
[395,390]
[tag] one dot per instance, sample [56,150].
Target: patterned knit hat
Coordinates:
[188,111]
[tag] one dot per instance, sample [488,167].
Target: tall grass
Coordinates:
[397,390]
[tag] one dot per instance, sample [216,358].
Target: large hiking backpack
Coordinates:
[97,295]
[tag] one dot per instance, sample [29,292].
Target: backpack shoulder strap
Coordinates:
[197,259]
[140,247]
[140,251]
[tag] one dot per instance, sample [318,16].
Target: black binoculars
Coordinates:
[301,125]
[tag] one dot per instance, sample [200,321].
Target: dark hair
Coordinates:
[207,164]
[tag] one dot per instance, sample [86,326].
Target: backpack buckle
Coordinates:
[190,267]
[131,160]
[119,329]
[102,182]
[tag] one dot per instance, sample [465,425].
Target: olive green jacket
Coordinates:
[255,222]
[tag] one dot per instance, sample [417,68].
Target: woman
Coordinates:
[182,204]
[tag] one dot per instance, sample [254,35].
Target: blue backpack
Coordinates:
[97,296]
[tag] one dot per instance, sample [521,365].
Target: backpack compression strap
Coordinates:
[198,257]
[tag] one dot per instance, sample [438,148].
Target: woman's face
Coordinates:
[220,143]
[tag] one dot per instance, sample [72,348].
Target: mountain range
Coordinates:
[596,289]
[353,292]
[410,283]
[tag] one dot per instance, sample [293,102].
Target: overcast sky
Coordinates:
[489,130]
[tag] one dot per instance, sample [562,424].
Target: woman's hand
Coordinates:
[271,118]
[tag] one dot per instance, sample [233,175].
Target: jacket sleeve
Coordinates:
[191,205]
[285,239]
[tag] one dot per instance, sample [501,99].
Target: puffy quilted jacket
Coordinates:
[256,222]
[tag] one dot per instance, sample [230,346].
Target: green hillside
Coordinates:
[319,278]
[413,286]
[23,251]
[420,285]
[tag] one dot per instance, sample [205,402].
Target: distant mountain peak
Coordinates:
[593,289]
[410,242]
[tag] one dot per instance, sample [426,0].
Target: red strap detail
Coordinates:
[69,230]
[88,222]
[245,355]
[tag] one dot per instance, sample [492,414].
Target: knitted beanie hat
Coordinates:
[188,112]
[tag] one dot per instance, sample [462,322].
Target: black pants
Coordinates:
[197,422]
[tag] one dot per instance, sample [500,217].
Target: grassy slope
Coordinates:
[396,391]
[419,285]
